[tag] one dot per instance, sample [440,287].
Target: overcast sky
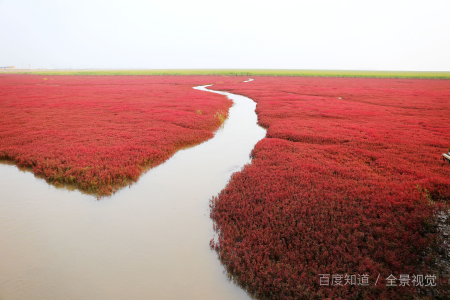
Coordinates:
[314,34]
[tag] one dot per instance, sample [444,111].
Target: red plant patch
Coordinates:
[101,132]
[346,182]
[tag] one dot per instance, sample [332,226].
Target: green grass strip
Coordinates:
[244,72]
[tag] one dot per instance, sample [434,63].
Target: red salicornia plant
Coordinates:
[100,132]
[347,182]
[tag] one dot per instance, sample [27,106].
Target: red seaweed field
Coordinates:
[344,188]
[100,132]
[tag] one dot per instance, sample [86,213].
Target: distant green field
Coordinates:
[243,72]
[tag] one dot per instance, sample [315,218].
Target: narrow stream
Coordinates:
[149,241]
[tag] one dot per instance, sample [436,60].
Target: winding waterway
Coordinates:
[149,241]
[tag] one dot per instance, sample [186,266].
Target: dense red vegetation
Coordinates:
[100,132]
[347,181]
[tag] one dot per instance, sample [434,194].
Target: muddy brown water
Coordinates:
[149,241]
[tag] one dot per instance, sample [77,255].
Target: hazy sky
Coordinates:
[376,35]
